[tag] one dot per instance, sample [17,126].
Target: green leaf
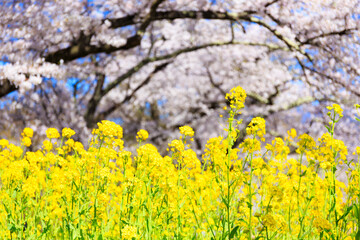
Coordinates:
[259,237]
[357,237]
[11,227]
[224,200]
[345,214]
[332,207]
[356,211]
[303,174]
[124,222]
[328,128]
[233,232]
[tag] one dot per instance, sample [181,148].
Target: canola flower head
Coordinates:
[177,145]
[47,145]
[337,109]
[329,144]
[129,232]
[250,145]
[279,148]
[16,151]
[67,132]
[292,133]
[236,97]
[27,132]
[322,224]
[70,142]
[142,135]
[186,131]
[4,142]
[269,221]
[257,126]
[306,142]
[340,147]
[108,129]
[26,141]
[356,152]
[52,133]
[325,165]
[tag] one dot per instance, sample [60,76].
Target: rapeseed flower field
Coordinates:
[247,191]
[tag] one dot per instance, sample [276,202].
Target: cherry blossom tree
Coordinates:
[160,64]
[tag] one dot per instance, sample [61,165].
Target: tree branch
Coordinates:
[291,45]
[110,110]
[6,87]
[146,61]
[121,22]
[340,33]
[172,15]
[98,95]
[332,79]
[94,101]
[83,48]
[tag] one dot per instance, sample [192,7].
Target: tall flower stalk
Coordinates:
[236,99]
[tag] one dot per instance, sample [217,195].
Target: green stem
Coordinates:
[230,143]
[250,195]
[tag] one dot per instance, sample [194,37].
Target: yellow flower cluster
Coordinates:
[66,191]
[4,143]
[337,109]
[177,145]
[108,129]
[129,232]
[52,133]
[186,131]
[250,145]
[236,97]
[27,134]
[67,132]
[142,135]
[256,127]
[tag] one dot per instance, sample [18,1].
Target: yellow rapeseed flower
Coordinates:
[269,221]
[257,127]
[47,145]
[357,151]
[52,133]
[321,224]
[142,135]
[68,132]
[236,97]
[187,131]
[108,129]
[337,109]
[250,145]
[292,133]
[27,132]
[4,142]
[26,141]
[129,232]
[177,145]
[306,143]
